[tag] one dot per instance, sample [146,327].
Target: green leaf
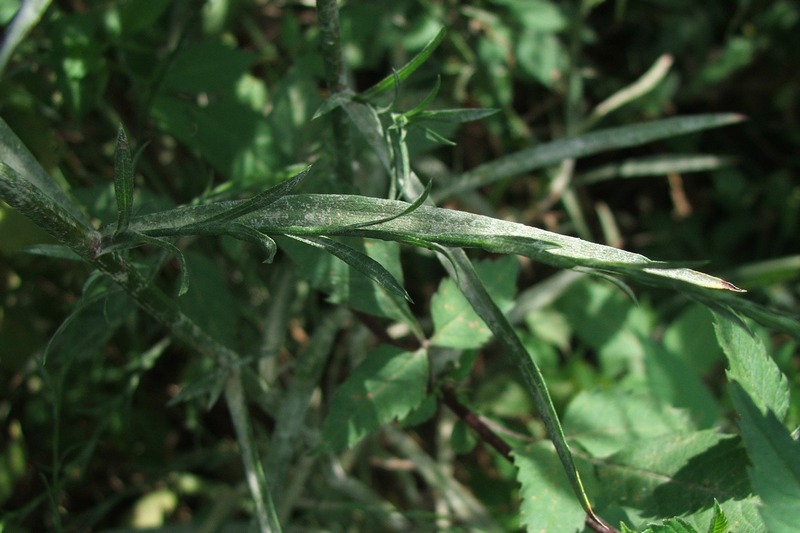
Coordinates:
[29,14]
[691,337]
[457,116]
[752,368]
[348,286]
[719,523]
[581,146]
[676,475]
[606,422]
[456,324]
[547,501]
[361,262]
[673,525]
[390,81]
[387,385]
[775,460]
[259,201]
[248,234]
[123,181]
[183,286]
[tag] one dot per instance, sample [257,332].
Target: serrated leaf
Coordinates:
[719,523]
[547,501]
[389,384]
[775,460]
[673,525]
[751,366]
[675,475]
[123,181]
[607,422]
[456,324]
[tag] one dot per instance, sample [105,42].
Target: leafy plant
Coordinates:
[637,426]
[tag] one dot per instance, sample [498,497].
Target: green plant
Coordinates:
[641,427]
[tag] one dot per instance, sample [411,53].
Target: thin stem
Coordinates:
[336,80]
[254,471]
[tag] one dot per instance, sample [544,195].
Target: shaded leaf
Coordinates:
[389,384]
[123,181]
[775,459]
[752,368]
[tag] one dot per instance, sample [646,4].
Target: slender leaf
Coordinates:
[453,115]
[581,146]
[123,181]
[361,262]
[29,14]
[390,81]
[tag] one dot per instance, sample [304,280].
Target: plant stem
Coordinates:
[336,80]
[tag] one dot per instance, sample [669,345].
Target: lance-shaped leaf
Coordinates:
[259,201]
[390,81]
[123,181]
[361,262]
[591,143]
[246,233]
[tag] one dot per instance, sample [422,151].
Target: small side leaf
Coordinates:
[390,81]
[123,181]
[171,248]
[719,524]
[252,235]
[259,201]
[389,384]
[361,262]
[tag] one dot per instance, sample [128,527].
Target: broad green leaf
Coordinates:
[676,475]
[213,308]
[359,261]
[581,146]
[607,422]
[751,366]
[674,382]
[389,384]
[547,500]
[775,460]
[123,181]
[673,525]
[691,337]
[456,325]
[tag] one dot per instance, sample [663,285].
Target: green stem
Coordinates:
[336,80]
[254,471]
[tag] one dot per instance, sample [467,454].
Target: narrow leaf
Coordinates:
[172,249]
[361,262]
[390,81]
[389,384]
[453,115]
[258,201]
[581,146]
[246,233]
[123,181]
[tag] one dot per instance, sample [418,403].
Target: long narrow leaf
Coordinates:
[361,262]
[123,181]
[581,146]
[390,81]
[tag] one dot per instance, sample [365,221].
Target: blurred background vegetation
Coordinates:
[223,92]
